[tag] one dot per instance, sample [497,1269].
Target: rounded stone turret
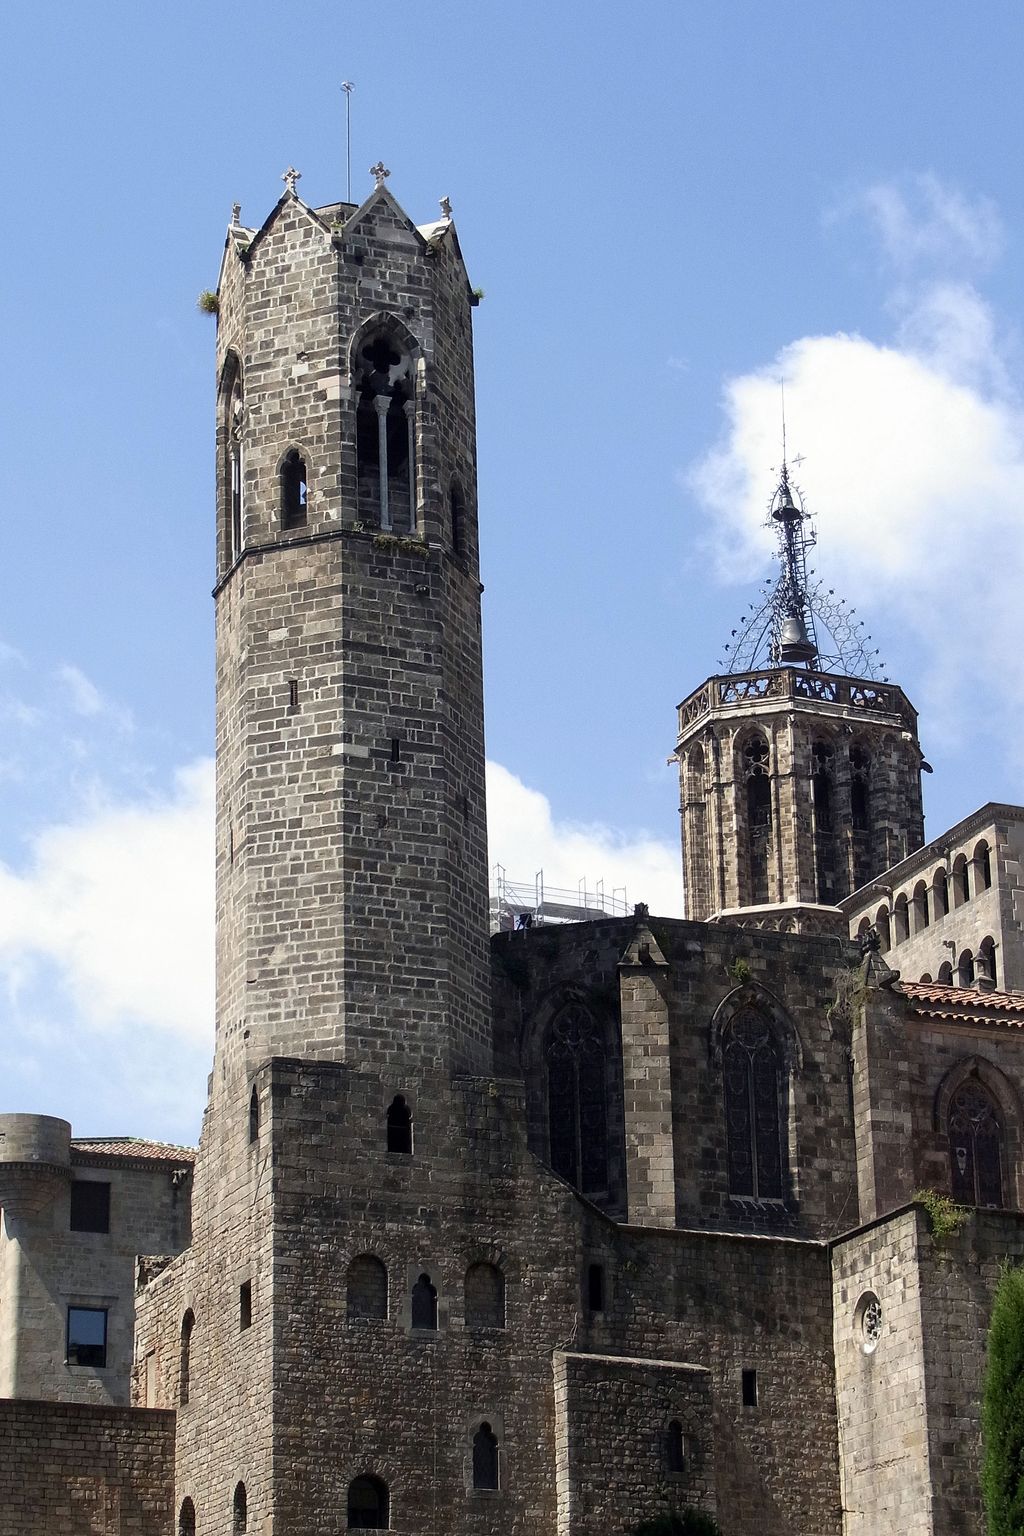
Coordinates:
[35,1161]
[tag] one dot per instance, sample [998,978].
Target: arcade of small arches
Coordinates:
[910,913]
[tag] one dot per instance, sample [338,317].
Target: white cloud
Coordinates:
[928,223]
[916,466]
[87,700]
[119,902]
[525,836]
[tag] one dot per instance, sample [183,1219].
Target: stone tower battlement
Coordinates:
[351,852]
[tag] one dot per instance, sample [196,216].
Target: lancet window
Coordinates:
[822,800]
[386,434]
[234,418]
[756,771]
[577,1100]
[975,1147]
[752,1069]
[293,490]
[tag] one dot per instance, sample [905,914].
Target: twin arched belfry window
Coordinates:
[752,1067]
[577,1099]
[385,433]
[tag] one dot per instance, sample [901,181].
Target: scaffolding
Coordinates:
[521,904]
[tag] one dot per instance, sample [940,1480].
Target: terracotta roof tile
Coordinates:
[935,1000]
[132,1149]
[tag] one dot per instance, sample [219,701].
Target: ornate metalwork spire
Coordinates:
[798,621]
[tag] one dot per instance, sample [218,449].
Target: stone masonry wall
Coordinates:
[77,1470]
[614,1413]
[794,977]
[356,1396]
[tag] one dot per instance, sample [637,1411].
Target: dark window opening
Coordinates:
[759,816]
[368,1504]
[185,1362]
[396,749]
[385,436]
[983,863]
[986,961]
[901,920]
[293,491]
[945,975]
[921,914]
[244,1305]
[485,1458]
[234,415]
[254,1116]
[961,882]
[187,1518]
[577,1100]
[752,1069]
[87,1336]
[293,694]
[824,829]
[399,1126]
[595,1288]
[366,1290]
[675,1448]
[965,969]
[90,1206]
[940,888]
[975,1147]
[424,1304]
[484,1296]
[457,512]
[240,1511]
[749,1388]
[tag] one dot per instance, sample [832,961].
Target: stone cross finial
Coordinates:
[236,213]
[290,177]
[380,172]
[446,207]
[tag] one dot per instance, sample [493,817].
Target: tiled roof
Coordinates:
[933,1000]
[132,1149]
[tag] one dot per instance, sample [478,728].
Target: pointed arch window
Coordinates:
[187,1518]
[756,771]
[822,801]
[240,1510]
[293,490]
[254,1115]
[975,1147]
[386,433]
[860,812]
[234,417]
[577,1103]
[752,1070]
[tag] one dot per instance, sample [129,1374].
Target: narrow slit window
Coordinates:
[188,1322]
[254,1116]
[595,1288]
[424,1304]
[748,1384]
[293,694]
[399,1126]
[187,1518]
[293,490]
[485,1458]
[675,1448]
[244,1306]
[240,1511]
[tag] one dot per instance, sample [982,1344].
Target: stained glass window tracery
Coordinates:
[752,1064]
[975,1147]
[577,1100]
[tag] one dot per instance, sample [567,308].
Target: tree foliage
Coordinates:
[1002,1412]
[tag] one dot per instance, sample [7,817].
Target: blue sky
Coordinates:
[667,205]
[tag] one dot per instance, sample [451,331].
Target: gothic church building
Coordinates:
[548,1234]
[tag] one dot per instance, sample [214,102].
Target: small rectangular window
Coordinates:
[90,1206]
[245,1305]
[749,1380]
[87,1336]
[595,1288]
[293,694]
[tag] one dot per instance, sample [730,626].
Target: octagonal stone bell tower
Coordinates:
[799,768]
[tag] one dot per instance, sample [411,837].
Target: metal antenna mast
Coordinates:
[348,87]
